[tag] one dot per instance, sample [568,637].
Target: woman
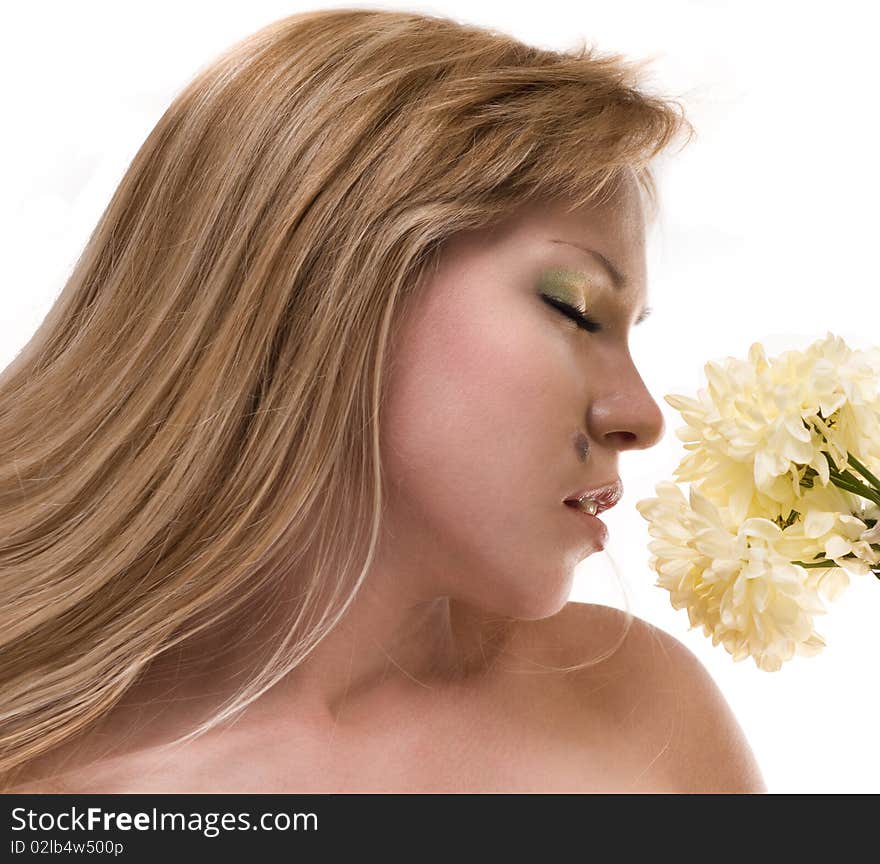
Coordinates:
[290,454]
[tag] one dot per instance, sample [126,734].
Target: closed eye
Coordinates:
[576,315]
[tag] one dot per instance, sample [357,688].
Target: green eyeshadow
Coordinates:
[566,285]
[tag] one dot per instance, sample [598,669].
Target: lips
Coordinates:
[605,496]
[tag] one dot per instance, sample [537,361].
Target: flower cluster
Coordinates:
[784,503]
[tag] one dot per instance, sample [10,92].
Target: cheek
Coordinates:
[471,401]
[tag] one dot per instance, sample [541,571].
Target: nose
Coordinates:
[624,415]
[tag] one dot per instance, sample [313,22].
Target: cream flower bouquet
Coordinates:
[784,497]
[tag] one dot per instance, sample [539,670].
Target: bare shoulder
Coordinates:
[29,785]
[645,696]
[38,778]
[55,774]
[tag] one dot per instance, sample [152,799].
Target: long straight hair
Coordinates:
[211,375]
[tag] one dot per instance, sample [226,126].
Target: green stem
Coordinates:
[864,472]
[816,564]
[824,564]
[852,484]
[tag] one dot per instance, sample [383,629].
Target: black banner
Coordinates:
[141,827]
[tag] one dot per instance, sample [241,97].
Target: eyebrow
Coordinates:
[619,280]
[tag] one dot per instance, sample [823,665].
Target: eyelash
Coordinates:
[575,314]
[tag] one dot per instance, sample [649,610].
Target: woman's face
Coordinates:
[493,393]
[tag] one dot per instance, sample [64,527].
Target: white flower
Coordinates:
[872,535]
[761,424]
[827,529]
[731,578]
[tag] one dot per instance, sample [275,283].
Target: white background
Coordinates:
[766,234]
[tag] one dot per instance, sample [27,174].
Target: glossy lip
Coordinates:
[596,525]
[605,496]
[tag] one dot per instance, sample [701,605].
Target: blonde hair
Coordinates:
[212,373]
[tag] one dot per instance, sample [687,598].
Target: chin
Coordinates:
[543,602]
